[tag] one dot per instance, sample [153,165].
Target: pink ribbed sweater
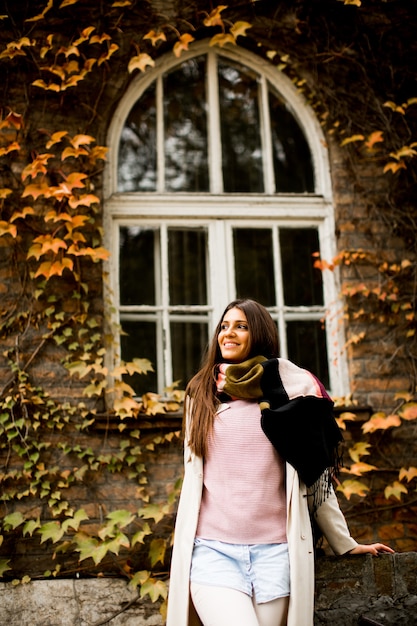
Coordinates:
[244,487]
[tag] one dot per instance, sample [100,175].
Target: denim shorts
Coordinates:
[262,570]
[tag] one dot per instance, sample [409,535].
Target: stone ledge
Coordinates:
[350,591]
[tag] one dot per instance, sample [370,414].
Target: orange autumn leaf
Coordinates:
[409,411]
[40,16]
[140,62]
[56,268]
[352,139]
[81,140]
[44,244]
[106,55]
[214,18]
[56,138]
[409,473]
[10,148]
[155,36]
[36,191]
[73,152]
[86,200]
[38,166]
[352,487]
[5,192]
[12,120]
[374,138]
[7,229]
[359,449]
[345,417]
[98,152]
[182,44]
[359,468]
[380,421]
[221,39]
[27,210]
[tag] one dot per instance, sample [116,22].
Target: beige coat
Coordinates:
[300,544]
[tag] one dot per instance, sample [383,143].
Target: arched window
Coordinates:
[218,187]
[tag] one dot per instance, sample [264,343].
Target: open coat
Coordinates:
[330,520]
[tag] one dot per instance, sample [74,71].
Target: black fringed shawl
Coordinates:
[296,416]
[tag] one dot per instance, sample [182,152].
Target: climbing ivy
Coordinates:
[58,382]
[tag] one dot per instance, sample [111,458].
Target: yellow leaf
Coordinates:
[140,62]
[358,450]
[393,167]
[50,243]
[409,411]
[122,3]
[27,210]
[380,421]
[155,36]
[352,487]
[408,474]
[104,57]
[41,15]
[405,151]
[5,192]
[351,139]
[356,3]
[12,120]
[239,29]
[182,44]
[214,18]
[394,107]
[222,39]
[396,489]
[345,417]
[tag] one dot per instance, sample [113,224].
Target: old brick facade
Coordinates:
[346,61]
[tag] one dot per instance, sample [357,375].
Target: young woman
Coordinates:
[260,446]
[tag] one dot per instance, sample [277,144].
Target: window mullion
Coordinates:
[268,168]
[279,290]
[166,329]
[160,131]
[214,129]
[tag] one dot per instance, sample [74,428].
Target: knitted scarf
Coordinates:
[296,416]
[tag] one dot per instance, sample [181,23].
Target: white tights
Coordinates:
[221,606]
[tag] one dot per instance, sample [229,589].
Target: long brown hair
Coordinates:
[201,389]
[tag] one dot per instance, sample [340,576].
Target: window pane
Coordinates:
[136,269]
[186,167]
[302,282]
[187,266]
[137,149]
[254,266]
[240,130]
[188,342]
[291,153]
[307,347]
[140,343]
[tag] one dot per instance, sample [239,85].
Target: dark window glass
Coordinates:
[291,153]
[302,282]
[137,148]
[137,260]
[138,340]
[187,251]
[188,343]
[254,266]
[186,167]
[307,347]
[240,129]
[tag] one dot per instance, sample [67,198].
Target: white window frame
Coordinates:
[218,210]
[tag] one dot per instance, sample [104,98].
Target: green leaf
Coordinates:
[13,520]
[30,526]
[4,566]
[75,521]
[121,517]
[157,551]
[154,588]
[51,530]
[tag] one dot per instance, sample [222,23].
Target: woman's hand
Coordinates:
[373,548]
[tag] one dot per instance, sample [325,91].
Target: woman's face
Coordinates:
[234,336]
